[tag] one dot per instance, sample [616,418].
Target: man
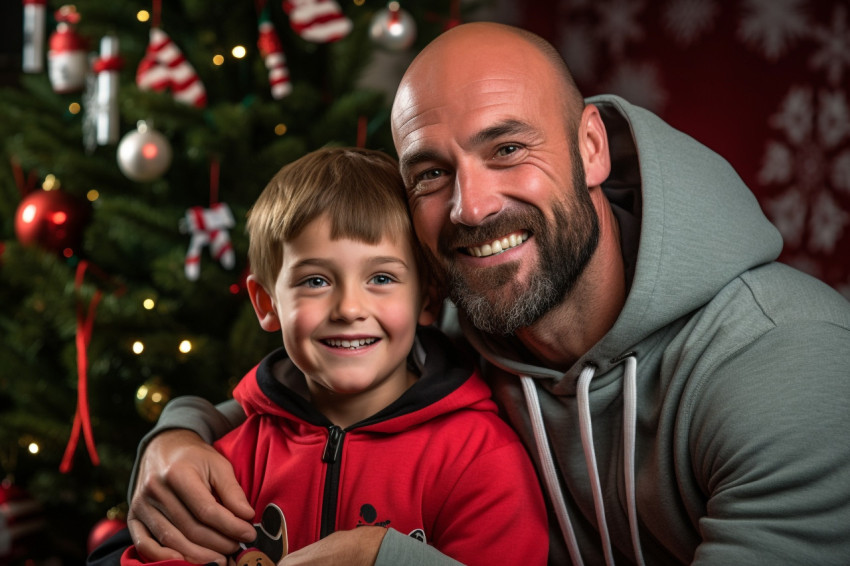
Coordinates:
[684,396]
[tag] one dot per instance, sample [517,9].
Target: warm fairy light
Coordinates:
[393,6]
[359,2]
[138,347]
[33,448]
[93,195]
[185,346]
[156,397]
[74,108]
[142,392]
[50,183]
[149,304]
[143,15]
[218,59]
[239,51]
[280,129]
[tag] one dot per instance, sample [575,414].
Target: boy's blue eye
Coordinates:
[314,282]
[382,279]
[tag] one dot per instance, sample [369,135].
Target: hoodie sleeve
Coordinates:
[211,422]
[769,448]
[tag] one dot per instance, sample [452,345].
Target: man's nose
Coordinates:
[475,195]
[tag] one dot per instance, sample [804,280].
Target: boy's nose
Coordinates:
[349,304]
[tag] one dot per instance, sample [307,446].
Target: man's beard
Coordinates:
[492,298]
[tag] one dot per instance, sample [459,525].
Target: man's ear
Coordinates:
[593,144]
[263,305]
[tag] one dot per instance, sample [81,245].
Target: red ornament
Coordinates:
[103,530]
[55,220]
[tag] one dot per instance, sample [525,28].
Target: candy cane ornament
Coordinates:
[164,67]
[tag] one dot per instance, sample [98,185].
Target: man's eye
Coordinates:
[507,150]
[430,175]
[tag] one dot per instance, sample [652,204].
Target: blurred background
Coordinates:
[136,134]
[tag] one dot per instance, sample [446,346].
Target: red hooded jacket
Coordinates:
[438,463]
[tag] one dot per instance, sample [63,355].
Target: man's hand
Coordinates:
[357,547]
[174,513]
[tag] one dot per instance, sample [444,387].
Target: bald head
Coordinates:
[486,49]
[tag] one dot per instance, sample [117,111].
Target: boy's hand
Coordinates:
[174,513]
[357,547]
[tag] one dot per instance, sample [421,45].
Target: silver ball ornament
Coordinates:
[144,154]
[393,28]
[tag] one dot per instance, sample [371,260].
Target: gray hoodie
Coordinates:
[710,424]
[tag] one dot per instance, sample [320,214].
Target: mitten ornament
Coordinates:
[319,21]
[208,226]
[33,52]
[272,52]
[165,68]
[67,63]
[271,544]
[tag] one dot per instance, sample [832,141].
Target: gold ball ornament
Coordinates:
[151,397]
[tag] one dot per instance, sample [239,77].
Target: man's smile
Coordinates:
[498,245]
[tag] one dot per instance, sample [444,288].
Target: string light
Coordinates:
[280,129]
[138,347]
[143,15]
[239,51]
[93,195]
[50,182]
[359,2]
[185,346]
[33,448]
[74,108]
[218,59]
[149,304]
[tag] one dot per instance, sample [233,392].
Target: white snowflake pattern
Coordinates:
[687,20]
[618,24]
[833,54]
[828,222]
[771,26]
[815,128]
[640,84]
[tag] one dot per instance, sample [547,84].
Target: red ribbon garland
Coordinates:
[82,417]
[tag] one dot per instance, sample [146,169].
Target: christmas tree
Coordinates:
[135,140]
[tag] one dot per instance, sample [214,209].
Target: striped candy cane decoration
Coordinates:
[164,67]
[319,21]
[272,52]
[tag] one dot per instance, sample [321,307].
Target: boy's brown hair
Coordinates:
[359,189]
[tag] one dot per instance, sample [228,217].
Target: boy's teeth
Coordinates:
[498,246]
[350,344]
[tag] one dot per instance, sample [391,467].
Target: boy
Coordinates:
[362,418]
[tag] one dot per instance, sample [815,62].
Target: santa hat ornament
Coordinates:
[272,52]
[318,21]
[165,68]
[67,62]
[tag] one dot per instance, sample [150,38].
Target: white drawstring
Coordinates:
[550,476]
[582,395]
[629,428]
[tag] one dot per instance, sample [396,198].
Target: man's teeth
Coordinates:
[498,246]
[350,344]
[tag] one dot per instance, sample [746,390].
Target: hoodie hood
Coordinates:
[447,382]
[697,224]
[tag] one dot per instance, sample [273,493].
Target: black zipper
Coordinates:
[331,457]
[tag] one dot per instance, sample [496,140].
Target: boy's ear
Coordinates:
[263,305]
[431,304]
